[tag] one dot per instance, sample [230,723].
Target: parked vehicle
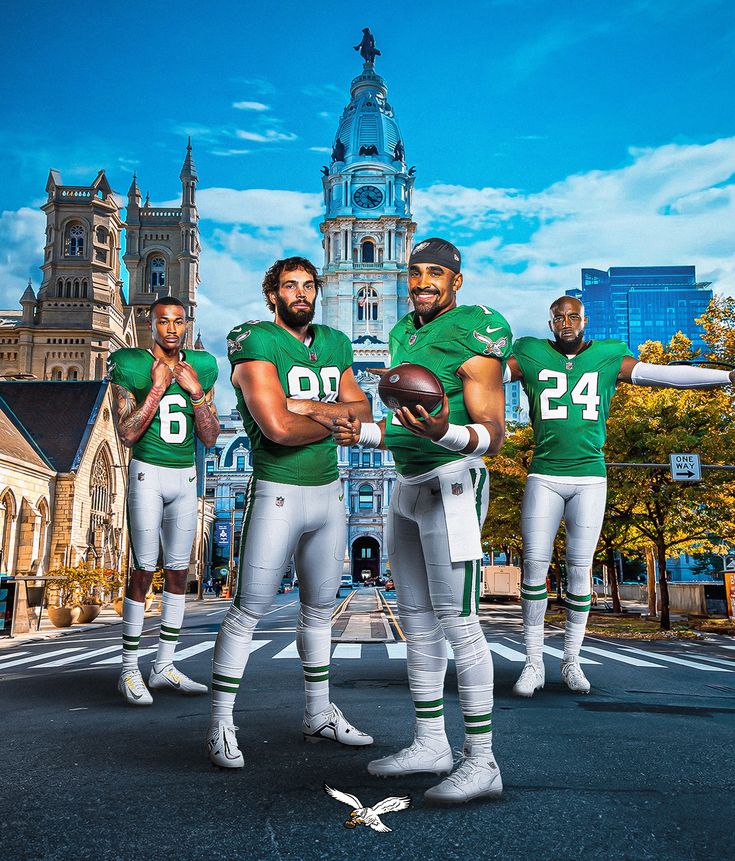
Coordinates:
[345,583]
[500,581]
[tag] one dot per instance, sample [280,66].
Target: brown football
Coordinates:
[409,385]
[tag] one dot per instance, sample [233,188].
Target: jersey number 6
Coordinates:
[173,422]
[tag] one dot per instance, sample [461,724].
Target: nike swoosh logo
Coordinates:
[192,479]
[490,330]
[341,497]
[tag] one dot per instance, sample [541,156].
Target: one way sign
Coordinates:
[685,467]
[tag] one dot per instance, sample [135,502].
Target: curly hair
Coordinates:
[273,276]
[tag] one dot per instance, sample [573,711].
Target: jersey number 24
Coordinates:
[584,394]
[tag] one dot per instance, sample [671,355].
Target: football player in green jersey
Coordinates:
[570,382]
[164,397]
[292,379]
[435,516]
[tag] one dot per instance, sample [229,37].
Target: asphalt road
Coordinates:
[640,768]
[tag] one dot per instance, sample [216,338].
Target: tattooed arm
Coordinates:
[206,420]
[133,420]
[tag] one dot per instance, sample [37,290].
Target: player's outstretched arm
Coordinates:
[206,420]
[482,388]
[266,401]
[673,376]
[133,420]
[350,398]
[512,371]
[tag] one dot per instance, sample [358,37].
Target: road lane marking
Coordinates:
[11,656]
[558,653]
[347,650]
[507,653]
[396,651]
[289,652]
[72,659]
[38,657]
[680,661]
[714,661]
[117,659]
[190,651]
[625,659]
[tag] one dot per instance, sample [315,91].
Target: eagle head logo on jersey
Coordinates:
[368,816]
[233,345]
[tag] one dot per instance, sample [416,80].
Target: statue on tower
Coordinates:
[367,48]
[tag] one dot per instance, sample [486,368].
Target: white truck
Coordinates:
[501,581]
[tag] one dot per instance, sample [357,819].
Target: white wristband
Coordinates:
[370,435]
[483,438]
[456,438]
[678,376]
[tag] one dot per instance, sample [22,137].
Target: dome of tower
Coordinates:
[367,129]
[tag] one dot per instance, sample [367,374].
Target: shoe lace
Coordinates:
[136,682]
[574,671]
[466,766]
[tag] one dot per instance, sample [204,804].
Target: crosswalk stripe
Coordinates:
[507,653]
[38,657]
[190,651]
[289,652]
[117,659]
[72,659]
[11,656]
[396,651]
[557,653]
[724,663]
[703,667]
[616,656]
[347,650]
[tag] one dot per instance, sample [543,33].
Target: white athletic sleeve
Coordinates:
[678,376]
[507,374]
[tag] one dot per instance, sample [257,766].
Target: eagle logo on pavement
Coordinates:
[233,345]
[492,348]
[368,816]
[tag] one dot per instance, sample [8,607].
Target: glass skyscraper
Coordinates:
[643,303]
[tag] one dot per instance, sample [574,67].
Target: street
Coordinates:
[640,768]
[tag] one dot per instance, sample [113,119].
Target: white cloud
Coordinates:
[21,253]
[229,152]
[324,149]
[250,106]
[260,208]
[269,136]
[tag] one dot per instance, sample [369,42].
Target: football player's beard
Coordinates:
[294,319]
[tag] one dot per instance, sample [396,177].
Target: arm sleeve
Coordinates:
[246,342]
[678,376]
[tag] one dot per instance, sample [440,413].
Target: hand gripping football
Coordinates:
[409,385]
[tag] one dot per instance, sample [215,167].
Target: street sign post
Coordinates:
[685,467]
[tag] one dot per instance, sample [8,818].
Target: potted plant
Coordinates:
[94,584]
[62,593]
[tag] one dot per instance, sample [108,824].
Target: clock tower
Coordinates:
[368,229]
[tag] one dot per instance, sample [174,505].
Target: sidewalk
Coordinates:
[106,619]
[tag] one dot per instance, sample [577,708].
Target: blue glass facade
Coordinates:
[643,303]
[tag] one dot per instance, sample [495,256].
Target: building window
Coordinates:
[367,304]
[377,458]
[241,463]
[365,498]
[366,458]
[75,241]
[55,373]
[354,457]
[239,500]
[157,275]
[72,374]
[210,467]
[368,251]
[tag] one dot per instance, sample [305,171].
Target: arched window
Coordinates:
[76,288]
[84,289]
[75,236]
[368,251]
[56,374]
[365,498]
[367,304]
[157,275]
[7,514]
[72,374]
[100,490]
[60,287]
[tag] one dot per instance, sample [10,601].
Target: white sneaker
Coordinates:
[574,678]
[331,724]
[531,679]
[475,777]
[170,677]
[429,754]
[132,687]
[222,746]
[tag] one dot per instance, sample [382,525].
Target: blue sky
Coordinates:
[546,136]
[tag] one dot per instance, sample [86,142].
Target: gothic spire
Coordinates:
[188,171]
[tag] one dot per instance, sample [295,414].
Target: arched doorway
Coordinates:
[365,559]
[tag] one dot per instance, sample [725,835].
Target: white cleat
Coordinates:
[332,725]
[475,777]
[222,746]
[574,678]
[531,679]
[433,755]
[172,679]
[132,687]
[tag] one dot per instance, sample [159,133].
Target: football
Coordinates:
[409,385]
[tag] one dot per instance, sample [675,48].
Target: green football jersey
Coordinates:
[443,345]
[569,400]
[308,373]
[169,438]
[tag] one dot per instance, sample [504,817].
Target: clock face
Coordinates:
[368,196]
